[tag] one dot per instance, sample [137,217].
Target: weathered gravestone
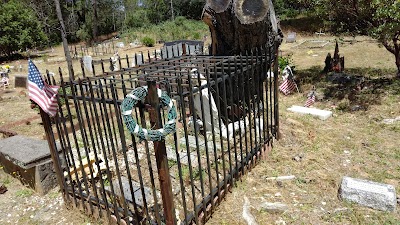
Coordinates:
[20,81]
[291,37]
[29,160]
[367,193]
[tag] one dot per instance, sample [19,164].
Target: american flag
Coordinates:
[43,94]
[288,86]
[310,100]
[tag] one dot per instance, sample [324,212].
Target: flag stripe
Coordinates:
[287,87]
[310,101]
[43,94]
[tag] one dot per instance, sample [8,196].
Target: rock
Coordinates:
[3,189]
[367,193]
[322,114]
[273,207]
[298,157]
[281,178]
[247,216]
[391,121]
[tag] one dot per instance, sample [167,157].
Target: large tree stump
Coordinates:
[242,27]
[238,26]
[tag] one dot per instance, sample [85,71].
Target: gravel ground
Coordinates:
[21,205]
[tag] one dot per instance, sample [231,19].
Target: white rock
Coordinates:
[273,207]
[247,216]
[281,178]
[367,193]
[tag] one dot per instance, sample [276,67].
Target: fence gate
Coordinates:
[226,117]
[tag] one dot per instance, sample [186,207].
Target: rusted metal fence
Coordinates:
[227,117]
[120,62]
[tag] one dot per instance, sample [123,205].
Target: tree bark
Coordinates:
[238,26]
[64,40]
[94,20]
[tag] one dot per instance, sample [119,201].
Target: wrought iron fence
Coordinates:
[227,110]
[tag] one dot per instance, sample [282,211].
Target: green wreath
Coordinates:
[131,100]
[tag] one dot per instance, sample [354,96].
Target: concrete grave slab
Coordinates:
[368,193]
[30,160]
[322,114]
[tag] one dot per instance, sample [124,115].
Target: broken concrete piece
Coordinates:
[391,121]
[273,207]
[322,114]
[247,216]
[281,178]
[367,193]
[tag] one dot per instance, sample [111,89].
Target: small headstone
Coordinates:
[291,37]
[322,114]
[20,81]
[87,62]
[367,193]
[120,45]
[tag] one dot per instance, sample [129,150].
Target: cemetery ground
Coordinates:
[354,142]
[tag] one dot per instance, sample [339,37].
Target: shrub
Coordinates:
[147,41]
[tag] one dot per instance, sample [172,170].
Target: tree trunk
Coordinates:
[398,64]
[238,26]
[94,20]
[64,40]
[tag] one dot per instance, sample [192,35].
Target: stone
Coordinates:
[391,121]
[291,37]
[87,62]
[247,216]
[120,45]
[137,195]
[29,160]
[368,193]
[322,114]
[281,178]
[20,81]
[273,207]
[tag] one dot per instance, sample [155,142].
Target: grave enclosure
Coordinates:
[227,117]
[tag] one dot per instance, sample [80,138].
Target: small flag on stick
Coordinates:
[288,85]
[43,94]
[310,99]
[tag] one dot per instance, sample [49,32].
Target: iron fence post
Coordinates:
[161,155]
[53,150]
[276,92]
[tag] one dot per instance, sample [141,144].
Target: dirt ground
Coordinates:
[351,143]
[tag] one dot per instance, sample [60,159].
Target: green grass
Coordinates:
[24,193]
[178,29]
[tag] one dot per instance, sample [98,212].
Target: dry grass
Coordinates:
[353,144]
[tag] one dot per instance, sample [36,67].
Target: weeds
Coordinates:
[24,193]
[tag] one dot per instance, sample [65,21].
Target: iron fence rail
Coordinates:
[227,117]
